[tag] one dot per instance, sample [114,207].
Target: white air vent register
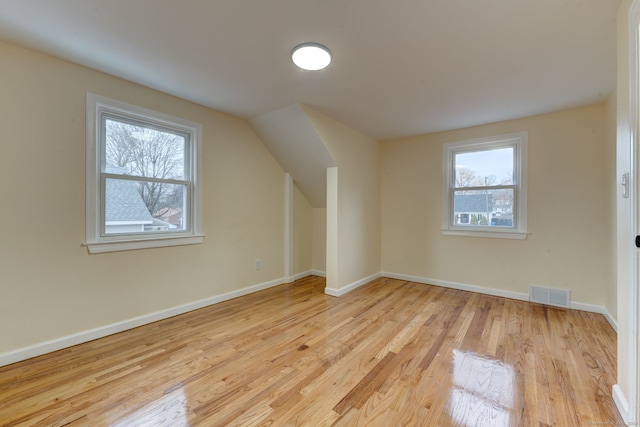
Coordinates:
[550,296]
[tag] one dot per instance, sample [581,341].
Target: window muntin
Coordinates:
[146,178]
[484,190]
[142,178]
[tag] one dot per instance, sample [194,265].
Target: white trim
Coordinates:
[127,222]
[339,292]
[621,403]
[592,308]
[612,320]
[629,405]
[299,276]
[498,293]
[302,275]
[632,407]
[495,234]
[519,141]
[102,247]
[459,286]
[103,331]
[94,240]
[288,228]
[332,243]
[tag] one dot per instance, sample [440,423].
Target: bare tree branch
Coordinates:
[148,153]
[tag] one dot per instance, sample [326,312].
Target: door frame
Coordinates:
[628,405]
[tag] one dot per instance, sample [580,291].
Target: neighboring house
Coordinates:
[125,211]
[472,209]
[482,209]
[159,225]
[172,217]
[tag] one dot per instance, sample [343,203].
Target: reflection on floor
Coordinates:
[390,353]
[482,391]
[169,410]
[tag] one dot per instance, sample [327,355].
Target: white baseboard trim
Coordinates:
[103,331]
[612,320]
[621,403]
[596,309]
[459,286]
[339,292]
[298,276]
[499,293]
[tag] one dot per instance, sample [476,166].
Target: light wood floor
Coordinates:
[388,354]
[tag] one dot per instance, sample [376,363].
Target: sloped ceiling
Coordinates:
[400,68]
[294,142]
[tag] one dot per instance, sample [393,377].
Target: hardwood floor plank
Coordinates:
[389,353]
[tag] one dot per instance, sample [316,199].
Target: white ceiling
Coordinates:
[294,141]
[400,67]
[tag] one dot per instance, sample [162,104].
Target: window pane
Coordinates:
[143,206]
[142,151]
[484,168]
[483,208]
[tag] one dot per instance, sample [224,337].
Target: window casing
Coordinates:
[485,187]
[143,178]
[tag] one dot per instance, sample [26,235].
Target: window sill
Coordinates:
[514,235]
[128,245]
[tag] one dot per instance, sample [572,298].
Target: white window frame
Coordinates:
[96,240]
[517,140]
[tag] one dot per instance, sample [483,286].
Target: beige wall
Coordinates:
[569,243]
[49,285]
[358,201]
[302,232]
[319,261]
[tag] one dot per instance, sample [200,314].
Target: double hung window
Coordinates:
[143,178]
[485,189]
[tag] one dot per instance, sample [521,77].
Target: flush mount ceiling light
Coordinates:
[311,56]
